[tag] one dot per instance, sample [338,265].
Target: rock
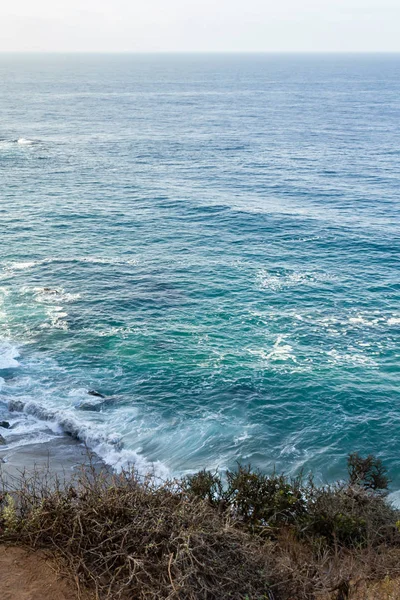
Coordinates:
[16,406]
[93,406]
[2,441]
[97,404]
[96,394]
[5,424]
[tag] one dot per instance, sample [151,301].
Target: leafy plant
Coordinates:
[367,472]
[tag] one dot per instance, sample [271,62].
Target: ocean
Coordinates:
[210,242]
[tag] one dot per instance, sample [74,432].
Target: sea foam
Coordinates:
[24,141]
[107,445]
[8,356]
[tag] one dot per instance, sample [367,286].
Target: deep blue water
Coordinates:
[212,242]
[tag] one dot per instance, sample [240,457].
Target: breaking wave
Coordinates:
[108,446]
[8,357]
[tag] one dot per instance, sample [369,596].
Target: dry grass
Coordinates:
[130,538]
[260,538]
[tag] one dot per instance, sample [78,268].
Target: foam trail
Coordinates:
[21,266]
[8,356]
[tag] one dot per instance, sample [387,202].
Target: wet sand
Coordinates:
[62,456]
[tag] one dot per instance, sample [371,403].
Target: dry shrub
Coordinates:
[127,537]
[249,537]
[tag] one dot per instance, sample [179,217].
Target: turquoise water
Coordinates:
[211,242]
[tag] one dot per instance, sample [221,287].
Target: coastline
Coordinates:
[61,456]
[30,444]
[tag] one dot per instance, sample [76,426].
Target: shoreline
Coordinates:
[30,444]
[61,456]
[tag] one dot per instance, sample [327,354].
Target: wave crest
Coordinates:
[107,446]
[8,357]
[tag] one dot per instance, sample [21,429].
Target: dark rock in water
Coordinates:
[5,424]
[93,406]
[16,406]
[2,441]
[97,404]
[96,394]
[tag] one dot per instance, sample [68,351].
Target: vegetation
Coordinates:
[244,536]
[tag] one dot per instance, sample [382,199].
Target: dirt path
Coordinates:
[28,575]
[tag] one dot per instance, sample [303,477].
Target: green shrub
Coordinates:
[264,501]
[259,501]
[349,516]
[205,485]
[367,472]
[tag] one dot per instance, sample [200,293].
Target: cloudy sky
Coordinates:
[200,25]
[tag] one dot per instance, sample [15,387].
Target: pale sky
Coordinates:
[200,25]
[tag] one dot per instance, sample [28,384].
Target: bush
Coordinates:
[129,538]
[264,501]
[258,501]
[349,516]
[367,472]
[247,536]
[348,513]
[207,486]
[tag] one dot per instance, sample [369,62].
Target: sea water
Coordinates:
[212,243]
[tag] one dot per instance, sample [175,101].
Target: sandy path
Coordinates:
[28,575]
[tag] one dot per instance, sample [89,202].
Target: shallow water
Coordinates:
[212,242]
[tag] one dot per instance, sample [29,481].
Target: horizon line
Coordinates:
[308,52]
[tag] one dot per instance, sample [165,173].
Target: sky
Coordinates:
[200,25]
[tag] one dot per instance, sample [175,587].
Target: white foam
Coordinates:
[56,320]
[20,266]
[348,358]
[280,351]
[25,141]
[394,321]
[107,445]
[278,281]
[99,260]
[49,295]
[8,356]
[96,260]
[361,320]
[394,498]
[124,459]
[242,437]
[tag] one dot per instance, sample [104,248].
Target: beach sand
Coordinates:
[61,456]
